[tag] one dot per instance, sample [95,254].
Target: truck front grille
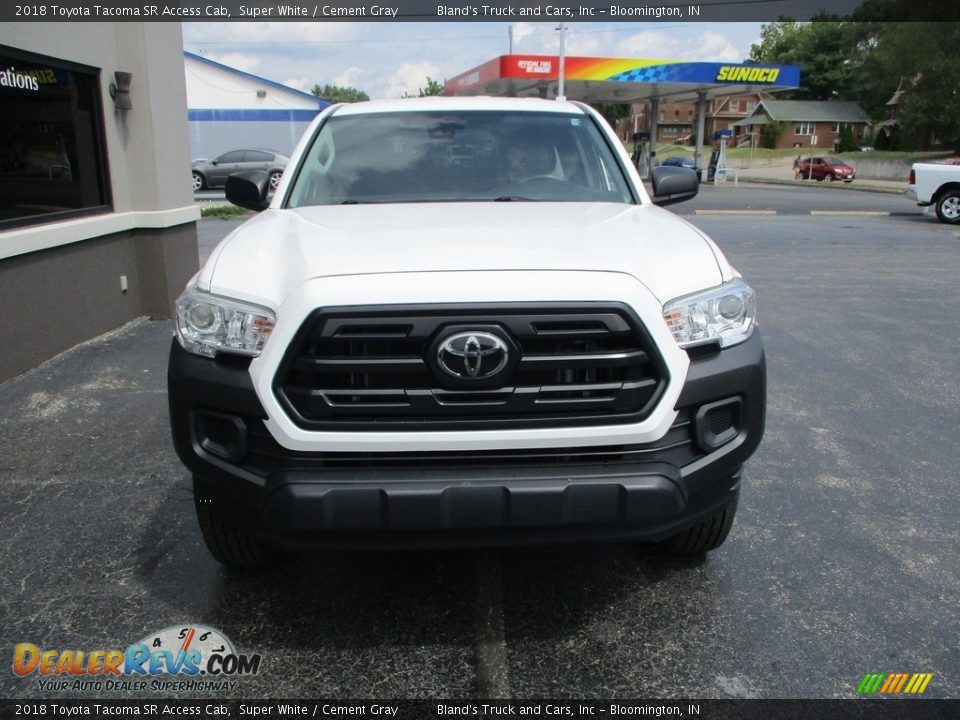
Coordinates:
[377,369]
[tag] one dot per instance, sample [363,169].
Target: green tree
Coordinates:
[921,58]
[868,59]
[827,51]
[772,132]
[433,88]
[339,93]
[848,142]
[612,111]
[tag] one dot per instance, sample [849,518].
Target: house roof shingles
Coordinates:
[813,111]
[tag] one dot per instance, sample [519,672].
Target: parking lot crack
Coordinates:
[492,671]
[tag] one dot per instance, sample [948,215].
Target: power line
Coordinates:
[452,38]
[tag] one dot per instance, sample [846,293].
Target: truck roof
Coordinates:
[480,102]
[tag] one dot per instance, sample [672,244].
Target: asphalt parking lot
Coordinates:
[843,559]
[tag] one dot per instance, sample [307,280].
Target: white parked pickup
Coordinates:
[939,185]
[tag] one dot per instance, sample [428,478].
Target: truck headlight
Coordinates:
[208,324]
[726,314]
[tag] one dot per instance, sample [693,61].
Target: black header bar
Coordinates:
[159,709]
[427,10]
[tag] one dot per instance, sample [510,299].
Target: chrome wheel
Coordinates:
[275,180]
[948,208]
[197,182]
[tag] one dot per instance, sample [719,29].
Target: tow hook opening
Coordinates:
[718,423]
[220,434]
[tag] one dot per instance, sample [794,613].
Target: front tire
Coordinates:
[275,180]
[948,208]
[228,544]
[703,537]
[828,177]
[198,182]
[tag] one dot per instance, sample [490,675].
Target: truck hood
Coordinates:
[268,257]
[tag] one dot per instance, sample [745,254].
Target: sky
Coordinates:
[388,59]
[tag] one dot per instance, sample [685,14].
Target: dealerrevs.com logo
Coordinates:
[187,658]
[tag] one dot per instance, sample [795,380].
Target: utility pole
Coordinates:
[562,27]
[510,34]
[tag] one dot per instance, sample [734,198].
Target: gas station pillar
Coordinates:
[654,117]
[701,113]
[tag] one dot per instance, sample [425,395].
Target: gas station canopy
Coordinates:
[620,80]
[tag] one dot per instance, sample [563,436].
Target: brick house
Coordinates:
[807,123]
[676,121]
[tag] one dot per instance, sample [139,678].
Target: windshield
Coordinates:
[458,156]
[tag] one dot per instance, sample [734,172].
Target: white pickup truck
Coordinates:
[937,184]
[464,321]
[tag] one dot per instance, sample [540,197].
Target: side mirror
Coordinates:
[249,190]
[673,184]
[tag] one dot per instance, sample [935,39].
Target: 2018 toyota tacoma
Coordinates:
[464,321]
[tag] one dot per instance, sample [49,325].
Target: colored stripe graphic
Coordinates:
[871,683]
[894,683]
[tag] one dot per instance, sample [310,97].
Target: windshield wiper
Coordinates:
[513,198]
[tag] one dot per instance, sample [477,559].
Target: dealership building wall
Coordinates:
[97,220]
[229,109]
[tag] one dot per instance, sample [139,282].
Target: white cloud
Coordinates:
[543,39]
[522,31]
[708,45]
[351,77]
[237,60]
[279,34]
[410,77]
[716,46]
[300,83]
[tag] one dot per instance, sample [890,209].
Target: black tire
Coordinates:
[198,182]
[275,179]
[701,538]
[828,177]
[948,207]
[228,544]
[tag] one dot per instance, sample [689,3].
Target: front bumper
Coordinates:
[300,500]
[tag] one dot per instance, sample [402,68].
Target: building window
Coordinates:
[804,128]
[734,105]
[835,128]
[751,105]
[52,163]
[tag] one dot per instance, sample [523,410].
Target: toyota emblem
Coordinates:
[472,355]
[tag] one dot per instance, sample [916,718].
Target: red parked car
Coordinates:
[826,168]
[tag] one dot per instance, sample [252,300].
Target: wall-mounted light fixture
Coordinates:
[261,93]
[120,90]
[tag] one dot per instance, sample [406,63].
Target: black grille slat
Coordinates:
[267,456]
[371,332]
[375,369]
[355,364]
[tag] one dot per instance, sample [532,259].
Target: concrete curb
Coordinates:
[833,186]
